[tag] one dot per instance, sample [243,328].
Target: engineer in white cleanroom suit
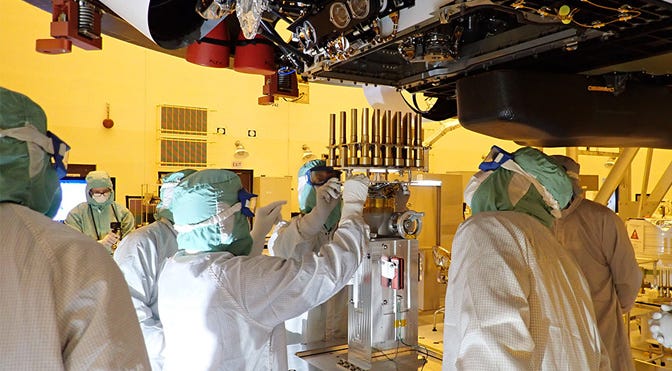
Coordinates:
[93,217]
[599,241]
[141,257]
[319,191]
[224,310]
[64,303]
[515,299]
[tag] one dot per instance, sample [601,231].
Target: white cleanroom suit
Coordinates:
[141,257]
[223,309]
[319,205]
[515,299]
[599,242]
[64,305]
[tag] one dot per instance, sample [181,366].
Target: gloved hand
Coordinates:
[328,196]
[109,240]
[355,191]
[264,219]
[660,325]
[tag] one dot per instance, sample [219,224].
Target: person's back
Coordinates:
[515,300]
[598,240]
[243,327]
[223,309]
[65,304]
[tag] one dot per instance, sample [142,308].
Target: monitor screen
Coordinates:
[73,190]
[613,201]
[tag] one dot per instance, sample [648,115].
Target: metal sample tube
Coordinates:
[408,140]
[376,159]
[353,160]
[398,140]
[343,144]
[365,157]
[331,161]
[418,152]
[388,157]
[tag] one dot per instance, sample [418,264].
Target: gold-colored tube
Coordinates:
[353,160]
[408,140]
[388,158]
[423,160]
[398,140]
[376,159]
[331,161]
[365,157]
[343,145]
[418,153]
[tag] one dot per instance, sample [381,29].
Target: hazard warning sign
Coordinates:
[634,235]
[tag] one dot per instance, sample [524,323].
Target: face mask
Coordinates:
[100,197]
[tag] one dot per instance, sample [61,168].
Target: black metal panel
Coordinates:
[557,110]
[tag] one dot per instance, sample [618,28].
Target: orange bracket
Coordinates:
[279,86]
[70,24]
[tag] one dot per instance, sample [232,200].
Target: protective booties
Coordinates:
[327,198]
[355,192]
[660,326]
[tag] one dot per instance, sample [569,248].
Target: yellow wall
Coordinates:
[74,89]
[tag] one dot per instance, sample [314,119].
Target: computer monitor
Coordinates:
[73,191]
[613,201]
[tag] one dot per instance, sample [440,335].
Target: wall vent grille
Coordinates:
[183,136]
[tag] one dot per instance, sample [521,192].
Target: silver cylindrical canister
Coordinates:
[353,160]
[343,143]
[365,149]
[331,161]
[376,129]
[388,157]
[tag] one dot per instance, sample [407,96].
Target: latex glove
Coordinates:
[355,192]
[660,326]
[264,219]
[328,195]
[109,240]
